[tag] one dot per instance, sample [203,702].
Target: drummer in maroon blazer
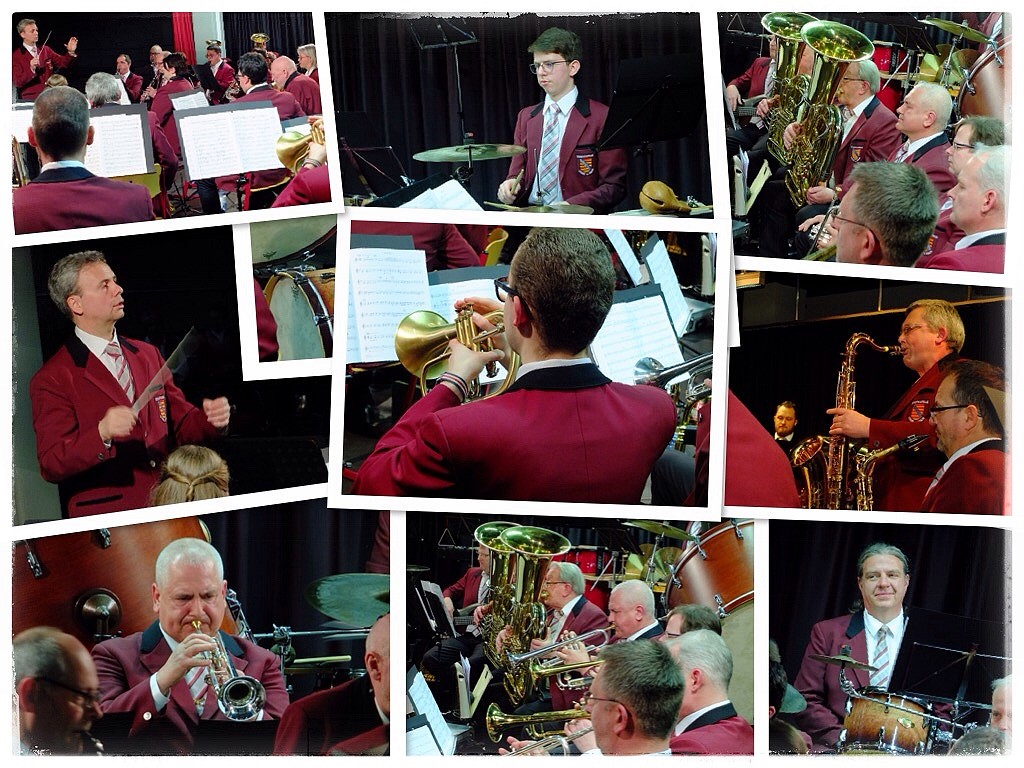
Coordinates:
[579,174]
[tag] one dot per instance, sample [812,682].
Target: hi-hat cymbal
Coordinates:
[556,208]
[662,529]
[356,599]
[412,570]
[957,29]
[463,152]
[844,661]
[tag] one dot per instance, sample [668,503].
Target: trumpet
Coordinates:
[515,659]
[497,721]
[239,697]
[561,673]
[560,740]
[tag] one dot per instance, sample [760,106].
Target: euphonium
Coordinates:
[865,465]
[421,343]
[789,85]
[239,697]
[292,146]
[821,123]
[497,721]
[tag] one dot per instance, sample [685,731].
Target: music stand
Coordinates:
[401,196]
[656,99]
[367,163]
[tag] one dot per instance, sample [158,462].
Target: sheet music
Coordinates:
[418,738]
[119,145]
[423,703]
[662,273]
[634,330]
[186,100]
[386,286]
[449,196]
[257,135]
[430,587]
[226,140]
[625,253]
[21,119]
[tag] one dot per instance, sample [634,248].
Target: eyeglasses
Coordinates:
[502,290]
[545,66]
[85,698]
[555,582]
[940,408]
[961,145]
[589,697]
[906,329]
[855,79]
[837,217]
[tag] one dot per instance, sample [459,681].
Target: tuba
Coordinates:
[789,86]
[292,146]
[489,535]
[239,697]
[421,343]
[821,123]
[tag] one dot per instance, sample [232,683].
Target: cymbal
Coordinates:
[412,570]
[844,661]
[557,208]
[662,529]
[277,240]
[463,152]
[356,599]
[957,29]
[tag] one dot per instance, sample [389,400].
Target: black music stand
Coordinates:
[401,196]
[367,163]
[656,99]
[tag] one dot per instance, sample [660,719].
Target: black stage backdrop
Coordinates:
[813,575]
[103,36]
[780,358]
[411,97]
[179,280]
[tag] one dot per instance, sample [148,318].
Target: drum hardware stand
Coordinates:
[104,538]
[98,611]
[34,564]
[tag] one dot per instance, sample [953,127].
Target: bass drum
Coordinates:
[718,571]
[303,307]
[987,88]
[95,582]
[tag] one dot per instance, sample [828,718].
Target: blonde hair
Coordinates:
[191,473]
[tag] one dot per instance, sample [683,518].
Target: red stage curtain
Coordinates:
[184,37]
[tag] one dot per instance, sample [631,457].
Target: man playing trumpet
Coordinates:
[563,431]
[159,675]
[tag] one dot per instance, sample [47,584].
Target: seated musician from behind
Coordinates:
[349,719]
[65,195]
[708,723]
[563,431]
[192,473]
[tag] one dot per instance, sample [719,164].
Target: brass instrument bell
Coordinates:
[260,39]
[498,722]
[292,146]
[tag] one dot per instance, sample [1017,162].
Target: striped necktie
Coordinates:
[881,660]
[547,173]
[121,372]
[901,155]
[197,685]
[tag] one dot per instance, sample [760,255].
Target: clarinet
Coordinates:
[154,84]
[97,745]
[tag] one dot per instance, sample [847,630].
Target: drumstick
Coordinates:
[519,178]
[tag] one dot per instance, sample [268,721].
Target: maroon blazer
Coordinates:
[314,724]
[224,77]
[931,158]
[872,137]
[565,434]
[974,484]
[584,617]
[587,178]
[443,244]
[946,234]
[266,326]
[70,395]
[314,74]
[985,255]
[310,185]
[748,444]
[306,91]
[125,664]
[751,82]
[69,198]
[133,86]
[164,109]
[30,82]
[718,732]
[901,482]
[465,591]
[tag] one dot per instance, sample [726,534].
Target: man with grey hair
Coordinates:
[104,410]
[305,89]
[887,217]
[979,209]
[32,64]
[1002,697]
[159,675]
[65,195]
[708,722]
[103,90]
[922,118]
[56,686]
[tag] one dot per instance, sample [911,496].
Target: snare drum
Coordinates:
[303,307]
[879,722]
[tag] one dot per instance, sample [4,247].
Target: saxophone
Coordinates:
[839,465]
[865,468]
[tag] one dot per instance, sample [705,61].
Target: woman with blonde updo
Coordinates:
[191,473]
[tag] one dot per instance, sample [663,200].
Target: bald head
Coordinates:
[281,69]
[378,661]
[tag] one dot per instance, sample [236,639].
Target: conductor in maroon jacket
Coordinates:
[563,431]
[158,676]
[970,431]
[32,63]
[89,438]
[65,194]
[931,336]
[569,125]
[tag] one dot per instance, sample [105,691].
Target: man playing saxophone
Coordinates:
[159,675]
[931,336]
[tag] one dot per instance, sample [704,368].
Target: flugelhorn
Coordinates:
[292,146]
[560,740]
[498,722]
[239,697]
[421,344]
